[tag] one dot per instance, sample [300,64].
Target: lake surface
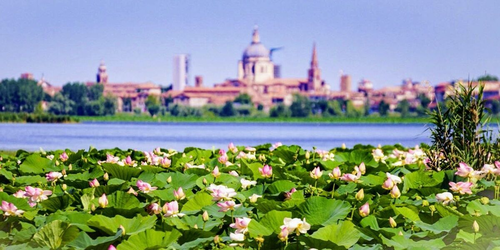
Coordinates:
[147,136]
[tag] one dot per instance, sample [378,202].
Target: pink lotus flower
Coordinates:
[246,183]
[445,197]
[111,247]
[128,161]
[461,187]
[464,170]
[132,191]
[388,184]
[275,146]
[112,159]
[234,173]
[154,208]
[232,148]
[296,225]
[221,192]
[283,235]
[335,174]
[241,225]
[378,155]
[364,210]
[10,209]
[19,194]
[171,209]
[266,171]
[227,205]
[236,237]
[215,172]
[391,181]
[250,149]
[165,162]
[145,187]
[395,193]
[53,176]
[351,177]
[222,159]
[36,195]
[94,183]
[63,157]
[179,194]
[288,195]
[316,173]
[103,201]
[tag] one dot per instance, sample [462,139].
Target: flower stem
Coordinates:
[333,190]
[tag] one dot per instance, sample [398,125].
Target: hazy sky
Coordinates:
[383,41]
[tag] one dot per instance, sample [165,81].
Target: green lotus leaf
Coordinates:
[281,186]
[444,224]
[7,174]
[371,222]
[343,234]
[83,240]
[57,203]
[150,239]
[36,164]
[132,226]
[256,229]
[274,219]
[322,211]
[421,179]
[401,242]
[121,172]
[123,200]
[55,234]
[86,176]
[186,181]
[197,202]
[30,179]
[359,156]
[407,212]
[25,233]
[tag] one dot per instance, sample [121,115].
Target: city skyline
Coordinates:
[382,42]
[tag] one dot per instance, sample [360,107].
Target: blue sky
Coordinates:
[383,41]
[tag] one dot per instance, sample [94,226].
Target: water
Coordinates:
[147,136]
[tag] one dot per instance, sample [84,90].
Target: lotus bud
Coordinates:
[475,226]
[215,172]
[205,181]
[111,247]
[395,193]
[485,200]
[392,222]
[283,235]
[195,226]
[316,173]
[432,208]
[400,233]
[343,146]
[179,194]
[308,155]
[425,203]
[417,198]
[336,173]
[94,183]
[262,158]
[362,168]
[364,210]
[360,195]
[70,167]
[63,172]
[64,187]
[92,207]
[169,179]
[216,239]
[57,163]
[105,176]
[103,201]
[123,230]
[205,216]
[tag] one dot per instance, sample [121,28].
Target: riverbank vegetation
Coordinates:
[36,118]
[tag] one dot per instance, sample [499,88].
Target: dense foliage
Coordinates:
[268,197]
[35,118]
[79,99]
[21,95]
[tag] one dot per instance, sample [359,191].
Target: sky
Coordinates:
[382,41]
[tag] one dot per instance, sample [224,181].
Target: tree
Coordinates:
[495,107]
[383,108]
[351,111]
[22,95]
[228,109]
[243,98]
[487,78]
[95,92]
[153,104]
[109,103]
[301,106]
[334,108]
[61,105]
[78,93]
[404,108]
[424,100]
[279,110]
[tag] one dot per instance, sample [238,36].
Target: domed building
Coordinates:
[255,65]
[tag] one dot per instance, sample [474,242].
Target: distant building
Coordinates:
[102,75]
[28,76]
[180,72]
[345,83]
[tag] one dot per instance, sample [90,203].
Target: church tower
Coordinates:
[102,75]
[314,74]
[256,65]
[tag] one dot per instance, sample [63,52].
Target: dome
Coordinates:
[256,50]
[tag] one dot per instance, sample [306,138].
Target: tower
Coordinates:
[256,65]
[314,74]
[345,83]
[102,75]
[180,71]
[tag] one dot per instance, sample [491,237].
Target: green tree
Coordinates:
[404,108]
[424,100]
[78,93]
[351,111]
[243,98]
[22,95]
[383,108]
[487,78]
[228,109]
[334,108]
[301,106]
[109,105]
[279,110]
[61,105]
[153,104]
[95,92]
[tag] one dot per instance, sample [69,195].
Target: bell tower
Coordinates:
[314,73]
[102,75]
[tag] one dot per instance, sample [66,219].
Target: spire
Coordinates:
[255,35]
[314,61]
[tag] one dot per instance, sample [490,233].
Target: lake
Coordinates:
[147,136]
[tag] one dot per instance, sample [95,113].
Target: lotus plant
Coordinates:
[227,205]
[461,187]
[445,198]
[296,225]
[53,176]
[241,225]
[145,187]
[171,209]
[179,194]
[36,195]
[266,171]
[94,183]
[221,192]
[103,201]
[9,209]
[364,210]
